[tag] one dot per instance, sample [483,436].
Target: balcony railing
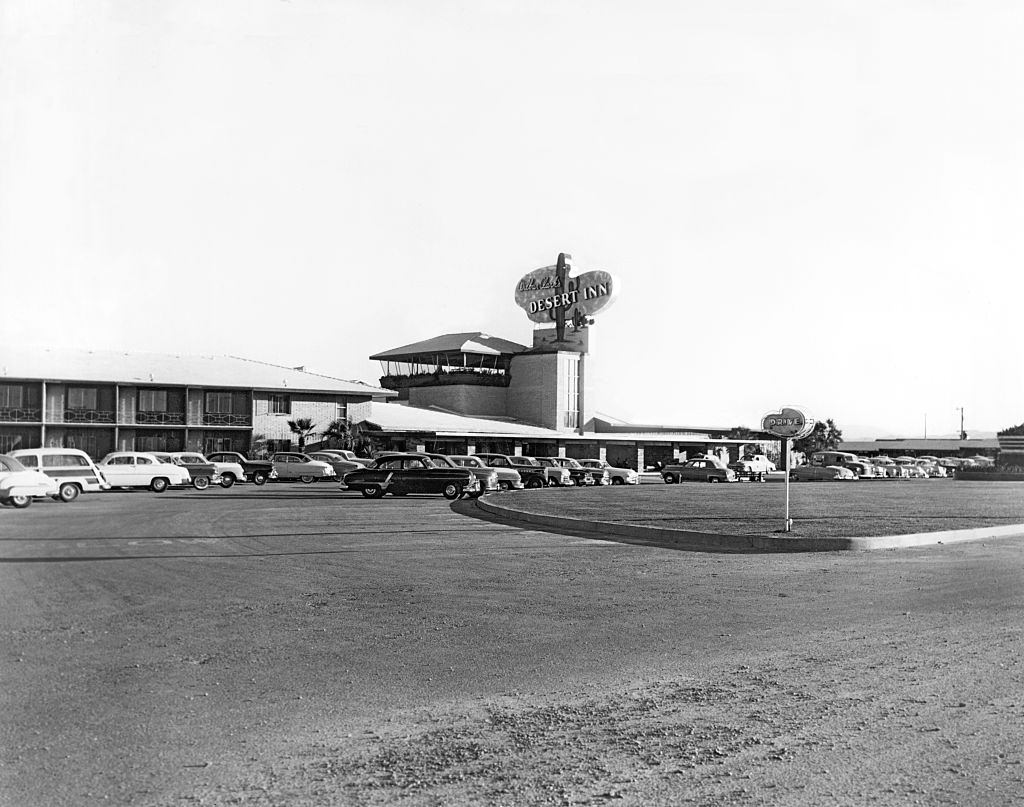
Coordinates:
[160,418]
[225,419]
[14,414]
[88,416]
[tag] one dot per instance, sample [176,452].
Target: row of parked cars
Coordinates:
[824,466]
[65,473]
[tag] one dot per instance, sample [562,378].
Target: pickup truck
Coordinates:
[255,471]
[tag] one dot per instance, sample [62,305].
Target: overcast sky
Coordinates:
[806,202]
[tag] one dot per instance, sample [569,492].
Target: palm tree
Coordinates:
[339,431]
[302,427]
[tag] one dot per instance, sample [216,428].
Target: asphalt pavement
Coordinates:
[299,645]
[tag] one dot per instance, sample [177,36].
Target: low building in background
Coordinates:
[102,401]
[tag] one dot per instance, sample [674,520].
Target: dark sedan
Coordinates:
[401,474]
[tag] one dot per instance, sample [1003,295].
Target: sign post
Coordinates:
[788,424]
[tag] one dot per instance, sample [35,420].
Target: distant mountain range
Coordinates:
[861,434]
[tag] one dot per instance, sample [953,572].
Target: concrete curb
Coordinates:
[715,542]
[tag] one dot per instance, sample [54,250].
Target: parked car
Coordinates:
[863,470]
[20,485]
[579,476]
[821,473]
[707,469]
[508,477]
[487,477]
[401,474]
[71,468]
[348,456]
[203,472]
[255,471]
[292,465]
[931,465]
[618,476]
[530,471]
[914,469]
[554,474]
[140,469]
[892,470]
[340,465]
[757,465]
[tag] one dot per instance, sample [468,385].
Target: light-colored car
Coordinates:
[821,473]
[891,468]
[618,476]
[705,469]
[348,456]
[19,485]
[508,478]
[71,468]
[291,465]
[340,465]
[914,470]
[554,473]
[487,477]
[140,469]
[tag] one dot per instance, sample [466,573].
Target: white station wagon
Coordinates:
[138,469]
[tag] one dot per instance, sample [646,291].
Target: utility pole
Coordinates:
[963,434]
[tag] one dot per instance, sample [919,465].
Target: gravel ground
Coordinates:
[818,510]
[303,647]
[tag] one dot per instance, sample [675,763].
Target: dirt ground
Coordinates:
[297,646]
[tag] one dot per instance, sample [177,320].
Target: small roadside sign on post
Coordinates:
[789,424]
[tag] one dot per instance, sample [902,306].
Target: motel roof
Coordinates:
[170,369]
[472,342]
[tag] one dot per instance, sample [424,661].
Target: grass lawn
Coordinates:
[818,509]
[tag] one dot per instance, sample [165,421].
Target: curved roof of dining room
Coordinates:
[472,342]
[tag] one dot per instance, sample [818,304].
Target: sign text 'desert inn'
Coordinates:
[549,294]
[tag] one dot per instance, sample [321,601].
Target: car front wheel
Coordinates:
[452,491]
[373,491]
[227,480]
[307,480]
[18,501]
[503,485]
[670,479]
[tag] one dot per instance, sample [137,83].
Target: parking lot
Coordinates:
[297,645]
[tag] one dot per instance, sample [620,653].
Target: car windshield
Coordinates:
[442,462]
[526,461]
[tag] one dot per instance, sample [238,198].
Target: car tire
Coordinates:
[714,479]
[534,482]
[794,478]
[307,479]
[19,502]
[670,479]
[259,478]
[201,482]
[452,491]
[227,480]
[618,480]
[158,485]
[504,485]
[373,491]
[68,492]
